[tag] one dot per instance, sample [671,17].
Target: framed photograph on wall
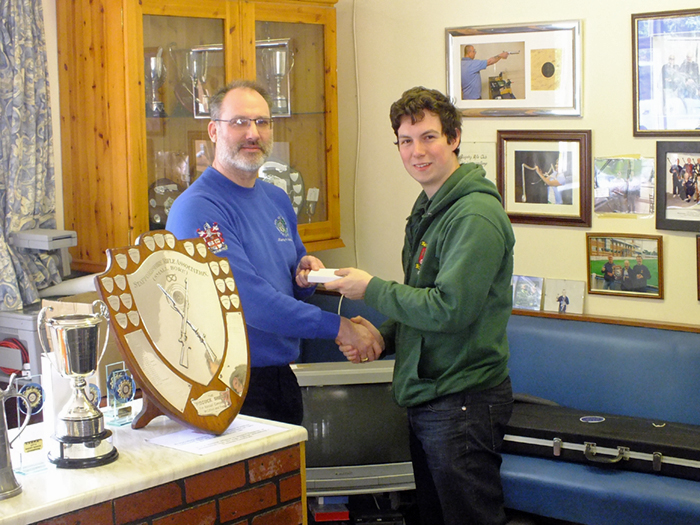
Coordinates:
[515,70]
[625,264]
[666,80]
[527,292]
[544,177]
[697,261]
[677,199]
[624,185]
[563,296]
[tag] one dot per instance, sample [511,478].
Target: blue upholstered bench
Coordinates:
[598,365]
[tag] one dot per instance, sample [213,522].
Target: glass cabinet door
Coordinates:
[184,64]
[294,62]
[289,62]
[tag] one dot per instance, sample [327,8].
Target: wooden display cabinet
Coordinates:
[134,80]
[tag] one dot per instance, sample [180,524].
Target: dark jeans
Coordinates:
[455,447]
[273,393]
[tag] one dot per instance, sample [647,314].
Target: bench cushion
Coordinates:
[623,370]
[596,495]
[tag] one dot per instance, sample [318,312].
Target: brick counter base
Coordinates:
[263,490]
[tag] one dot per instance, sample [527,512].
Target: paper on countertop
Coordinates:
[201,443]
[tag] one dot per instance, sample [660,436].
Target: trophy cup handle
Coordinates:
[11,391]
[104,313]
[40,321]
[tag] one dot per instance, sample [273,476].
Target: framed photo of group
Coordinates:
[666,79]
[515,70]
[677,199]
[625,264]
[544,177]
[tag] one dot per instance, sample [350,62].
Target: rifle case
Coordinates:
[643,445]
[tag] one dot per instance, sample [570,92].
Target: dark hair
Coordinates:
[216,100]
[416,101]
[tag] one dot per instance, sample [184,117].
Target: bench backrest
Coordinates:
[613,368]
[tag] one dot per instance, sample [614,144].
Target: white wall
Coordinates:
[388,46]
[401,43]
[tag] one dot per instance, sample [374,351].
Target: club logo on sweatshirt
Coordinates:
[281,225]
[212,237]
[424,246]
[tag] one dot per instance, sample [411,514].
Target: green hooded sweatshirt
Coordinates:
[448,320]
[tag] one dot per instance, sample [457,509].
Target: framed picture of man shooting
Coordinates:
[515,70]
[625,264]
[666,77]
[677,180]
[544,176]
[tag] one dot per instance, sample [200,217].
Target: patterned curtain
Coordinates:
[27,184]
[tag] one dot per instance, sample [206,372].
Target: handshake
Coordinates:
[359,340]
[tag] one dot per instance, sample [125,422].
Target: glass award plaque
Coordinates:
[177,318]
[28,451]
[121,389]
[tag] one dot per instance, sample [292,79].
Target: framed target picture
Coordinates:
[515,70]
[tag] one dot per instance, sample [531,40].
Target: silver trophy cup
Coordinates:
[156,78]
[74,340]
[278,62]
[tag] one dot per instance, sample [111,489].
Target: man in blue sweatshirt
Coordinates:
[258,235]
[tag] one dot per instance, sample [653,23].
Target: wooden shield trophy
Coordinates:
[177,318]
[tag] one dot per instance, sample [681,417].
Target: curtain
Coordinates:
[27,184]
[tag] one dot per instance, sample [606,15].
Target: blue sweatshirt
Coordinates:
[259,237]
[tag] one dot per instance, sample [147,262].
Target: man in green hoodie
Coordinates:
[448,319]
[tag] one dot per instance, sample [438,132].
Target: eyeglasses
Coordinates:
[240,123]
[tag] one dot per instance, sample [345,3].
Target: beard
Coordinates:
[248,161]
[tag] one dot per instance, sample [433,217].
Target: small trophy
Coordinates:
[278,60]
[121,388]
[311,202]
[74,339]
[156,77]
[8,483]
[197,66]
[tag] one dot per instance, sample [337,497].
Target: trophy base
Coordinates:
[280,107]
[8,483]
[83,452]
[156,110]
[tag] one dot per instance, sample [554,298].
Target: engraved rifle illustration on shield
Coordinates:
[183,332]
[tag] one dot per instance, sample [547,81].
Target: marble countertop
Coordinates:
[140,465]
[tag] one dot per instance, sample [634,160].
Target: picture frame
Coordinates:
[624,186]
[201,150]
[625,264]
[697,261]
[559,194]
[697,257]
[541,75]
[527,292]
[675,209]
[666,80]
[563,296]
